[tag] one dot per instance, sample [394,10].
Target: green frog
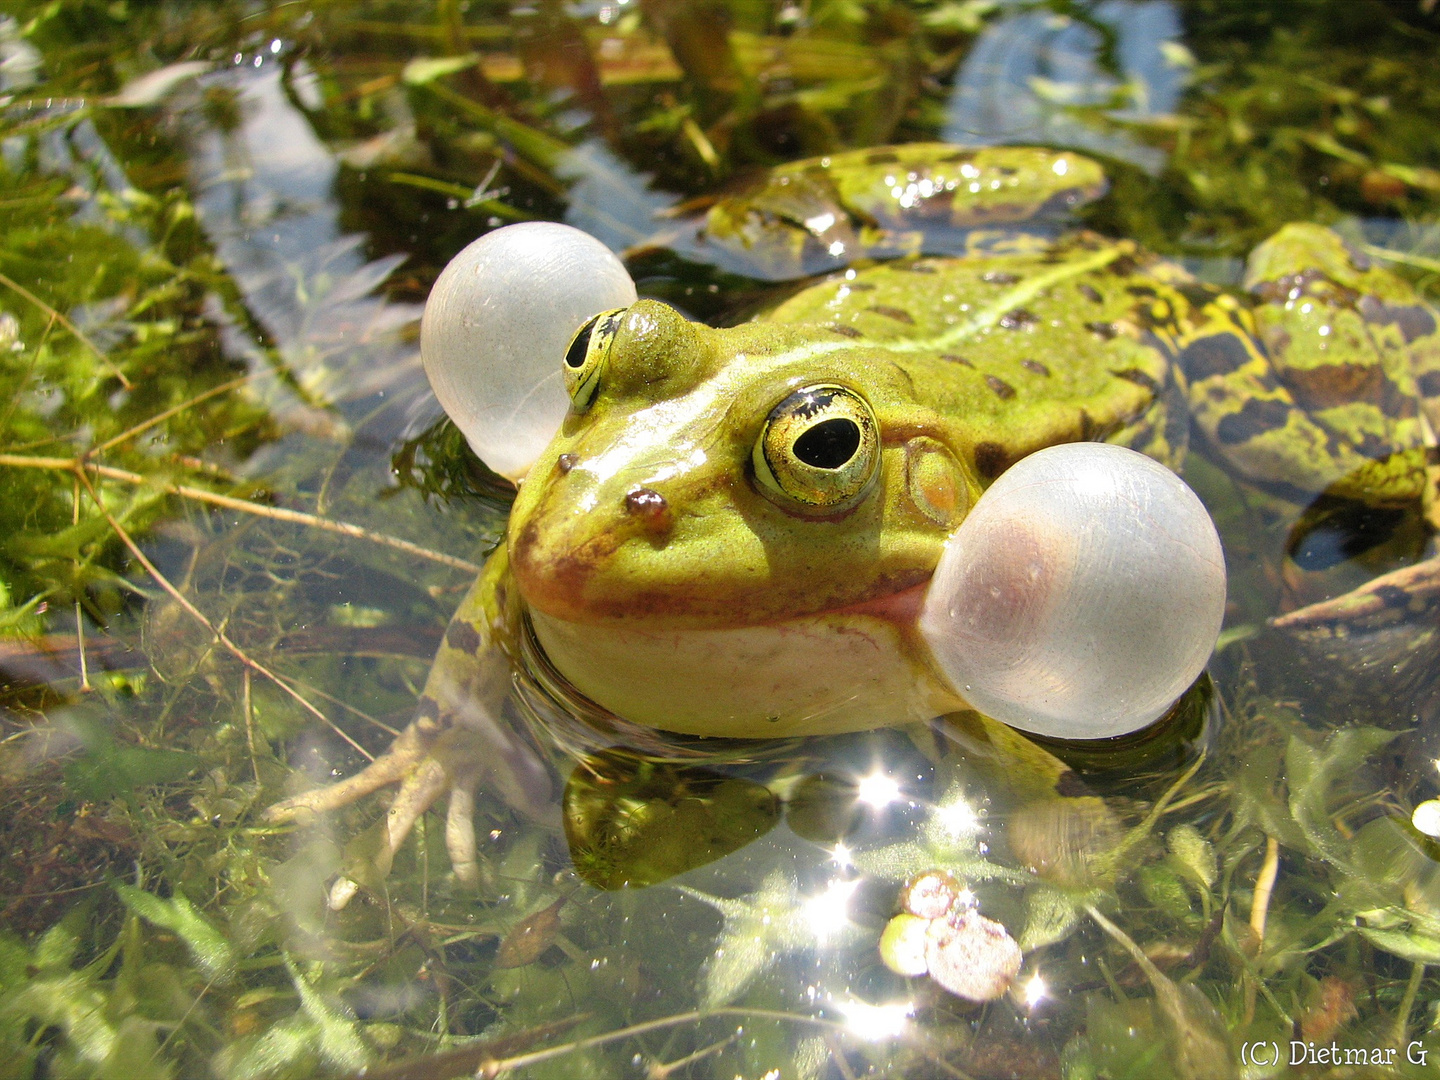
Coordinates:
[733,530]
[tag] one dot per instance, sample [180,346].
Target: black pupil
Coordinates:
[829,444]
[575,355]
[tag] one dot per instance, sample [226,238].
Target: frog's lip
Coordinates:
[900,606]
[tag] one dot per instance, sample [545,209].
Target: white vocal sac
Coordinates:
[1081,596]
[496,327]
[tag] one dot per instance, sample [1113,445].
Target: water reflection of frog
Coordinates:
[732,532]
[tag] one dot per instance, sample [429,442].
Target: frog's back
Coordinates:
[1015,349]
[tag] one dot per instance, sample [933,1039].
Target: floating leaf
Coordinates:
[972,956]
[903,943]
[530,937]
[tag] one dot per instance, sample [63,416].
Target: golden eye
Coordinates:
[819,451]
[585,358]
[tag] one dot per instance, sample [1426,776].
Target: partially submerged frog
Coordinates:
[732,532]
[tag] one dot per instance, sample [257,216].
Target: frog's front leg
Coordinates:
[458,740]
[1323,391]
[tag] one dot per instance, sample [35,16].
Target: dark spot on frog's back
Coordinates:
[1018,319]
[898,314]
[1090,293]
[1003,389]
[1124,266]
[1196,293]
[1325,386]
[1106,330]
[966,363]
[1036,367]
[844,331]
[991,459]
[1430,384]
[999,277]
[1219,354]
[462,637]
[1414,320]
[1139,378]
[1258,416]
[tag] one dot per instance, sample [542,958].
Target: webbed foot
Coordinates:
[459,741]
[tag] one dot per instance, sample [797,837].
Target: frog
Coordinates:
[732,532]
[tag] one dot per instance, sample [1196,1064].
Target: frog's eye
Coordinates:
[819,451]
[585,358]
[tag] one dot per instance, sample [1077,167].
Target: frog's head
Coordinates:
[712,477]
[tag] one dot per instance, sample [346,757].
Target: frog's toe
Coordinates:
[460,827]
[458,750]
[416,795]
[410,747]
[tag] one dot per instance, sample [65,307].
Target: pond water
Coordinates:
[234,525]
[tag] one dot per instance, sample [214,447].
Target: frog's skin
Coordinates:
[669,579]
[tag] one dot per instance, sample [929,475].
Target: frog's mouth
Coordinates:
[849,668]
[559,590]
[901,606]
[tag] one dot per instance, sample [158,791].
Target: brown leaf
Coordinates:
[530,937]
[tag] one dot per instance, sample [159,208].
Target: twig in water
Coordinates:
[275,513]
[249,721]
[161,417]
[661,1070]
[483,1061]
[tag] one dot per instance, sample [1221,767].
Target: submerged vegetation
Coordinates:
[232,532]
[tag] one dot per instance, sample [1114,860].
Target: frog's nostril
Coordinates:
[650,508]
[566,462]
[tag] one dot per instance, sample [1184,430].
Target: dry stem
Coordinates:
[275,513]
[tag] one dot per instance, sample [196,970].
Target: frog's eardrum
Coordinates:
[496,327]
[1081,596]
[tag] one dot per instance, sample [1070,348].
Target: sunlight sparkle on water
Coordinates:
[840,856]
[878,790]
[875,1022]
[957,818]
[1035,991]
[828,912]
